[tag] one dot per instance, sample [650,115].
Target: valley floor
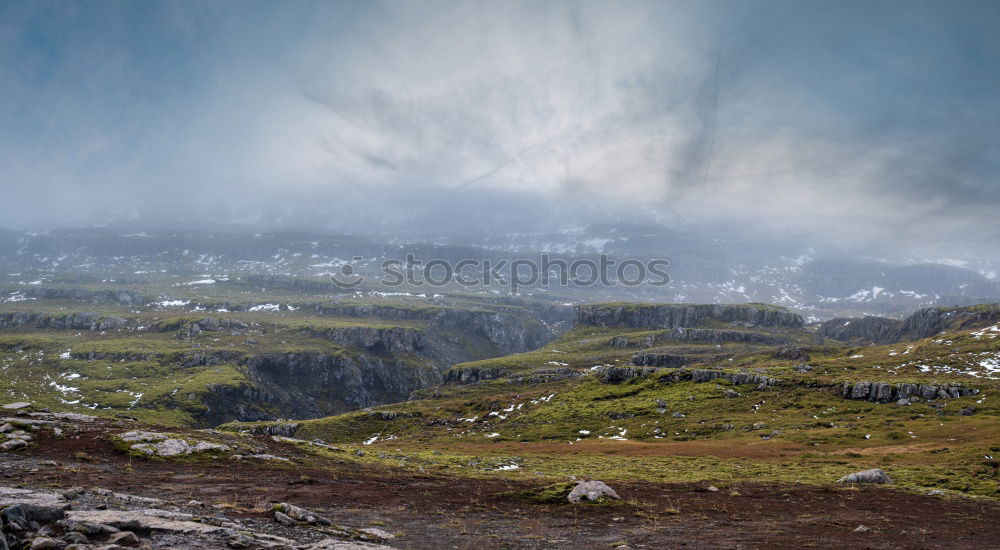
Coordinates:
[425,510]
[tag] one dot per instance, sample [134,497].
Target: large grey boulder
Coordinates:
[875,475]
[173,447]
[591,490]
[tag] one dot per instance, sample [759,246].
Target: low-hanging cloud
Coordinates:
[869,124]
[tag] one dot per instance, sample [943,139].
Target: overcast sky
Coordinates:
[846,122]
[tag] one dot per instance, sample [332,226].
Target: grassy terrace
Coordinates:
[649,428]
[584,347]
[150,373]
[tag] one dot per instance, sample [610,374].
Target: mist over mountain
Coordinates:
[862,126]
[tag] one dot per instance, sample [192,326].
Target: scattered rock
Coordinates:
[340,544]
[13,444]
[283,519]
[591,490]
[300,514]
[124,538]
[377,533]
[45,543]
[17,406]
[791,353]
[875,475]
[76,538]
[262,457]
[205,446]
[861,529]
[731,394]
[142,437]
[968,411]
[712,489]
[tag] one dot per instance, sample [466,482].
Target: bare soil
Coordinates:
[433,511]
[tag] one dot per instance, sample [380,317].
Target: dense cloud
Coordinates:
[871,124]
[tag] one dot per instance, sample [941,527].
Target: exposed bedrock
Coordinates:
[922,324]
[305,384]
[654,316]
[884,392]
[61,321]
[697,335]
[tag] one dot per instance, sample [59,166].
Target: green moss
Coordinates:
[555,493]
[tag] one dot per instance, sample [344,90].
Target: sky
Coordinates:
[873,124]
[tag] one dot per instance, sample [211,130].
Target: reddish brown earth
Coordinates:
[428,511]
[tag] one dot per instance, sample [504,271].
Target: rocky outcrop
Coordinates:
[654,359]
[109,296]
[875,330]
[697,336]
[791,353]
[101,518]
[922,324]
[215,324]
[473,374]
[655,316]
[309,384]
[737,378]
[509,332]
[930,321]
[543,376]
[376,339]
[617,375]
[283,429]
[884,392]
[61,321]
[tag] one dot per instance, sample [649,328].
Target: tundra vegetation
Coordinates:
[527,393]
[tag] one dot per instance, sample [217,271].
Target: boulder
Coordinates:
[173,447]
[875,475]
[207,447]
[301,514]
[13,445]
[45,543]
[591,491]
[284,519]
[124,538]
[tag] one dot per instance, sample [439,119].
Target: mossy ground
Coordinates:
[799,431]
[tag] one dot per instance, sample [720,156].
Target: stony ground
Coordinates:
[215,501]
